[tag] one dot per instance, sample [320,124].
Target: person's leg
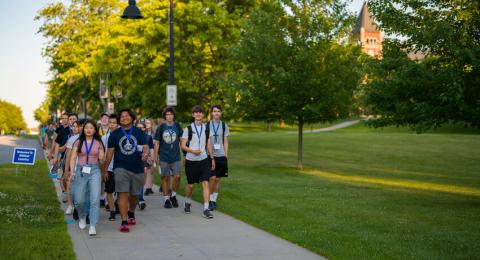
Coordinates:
[79,194]
[123,205]
[149,179]
[136,190]
[95,186]
[206,192]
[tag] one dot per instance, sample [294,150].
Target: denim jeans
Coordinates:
[86,190]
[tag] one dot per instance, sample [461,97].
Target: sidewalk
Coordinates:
[171,234]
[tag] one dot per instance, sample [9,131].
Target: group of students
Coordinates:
[118,156]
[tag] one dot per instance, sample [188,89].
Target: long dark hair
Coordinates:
[83,137]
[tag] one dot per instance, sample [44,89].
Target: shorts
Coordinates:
[170,169]
[197,171]
[127,181]
[221,167]
[110,184]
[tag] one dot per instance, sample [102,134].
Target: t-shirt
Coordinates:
[196,143]
[72,140]
[169,150]
[216,138]
[102,132]
[63,136]
[58,129]
[127,153]
[105,143]
[93,153]
[49,133]
[149,141]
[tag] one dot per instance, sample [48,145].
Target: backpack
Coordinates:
[207,134]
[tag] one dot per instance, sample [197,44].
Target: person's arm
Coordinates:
[155,150]
[45,141]
[106,163]
[101,156]
[183,145]
[63,148]
[73,162]
[67,164]
[210,152]
[52,147]
[225,146]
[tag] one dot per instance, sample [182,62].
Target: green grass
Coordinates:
[364,194]
[32,224]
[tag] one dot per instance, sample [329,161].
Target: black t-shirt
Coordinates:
[58,129]
[169,138]
[127,155]
[63,135]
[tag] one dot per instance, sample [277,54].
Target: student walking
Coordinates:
[195,142]
[109,180]
[89,151]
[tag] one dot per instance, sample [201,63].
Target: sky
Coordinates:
[22,67]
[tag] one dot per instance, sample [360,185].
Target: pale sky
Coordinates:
[22,68]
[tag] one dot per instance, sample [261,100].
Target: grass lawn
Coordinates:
[364,193]
[32,225]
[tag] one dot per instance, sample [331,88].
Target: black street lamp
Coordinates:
[132,12]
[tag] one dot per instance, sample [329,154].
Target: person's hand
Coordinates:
[144,156]
[213,164]
[71,177]
[157,162]
[105,176]
[197,152]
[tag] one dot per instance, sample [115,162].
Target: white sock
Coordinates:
[211,197]
[188,200]
[205,206]
[166,197]
[174,193]
[215,196]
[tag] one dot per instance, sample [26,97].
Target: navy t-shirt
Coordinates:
[149,141]
[127,155]
[169,138]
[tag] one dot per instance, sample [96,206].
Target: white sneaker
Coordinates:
[92,231]
[69,210]
[82,223]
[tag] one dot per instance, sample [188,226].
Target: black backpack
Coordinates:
[207,134]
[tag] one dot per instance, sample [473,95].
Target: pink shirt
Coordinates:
[92,156]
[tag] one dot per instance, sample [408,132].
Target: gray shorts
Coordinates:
[170,169]
[127,181]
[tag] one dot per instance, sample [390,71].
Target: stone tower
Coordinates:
[369,34]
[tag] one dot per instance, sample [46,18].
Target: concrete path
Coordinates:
[330,128]
[8,142]
[171,234]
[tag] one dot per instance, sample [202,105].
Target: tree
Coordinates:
[11,118]
[42,113]
[298,63]
[445,85]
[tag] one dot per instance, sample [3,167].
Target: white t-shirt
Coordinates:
[195,143]
[105,143]
[72,140]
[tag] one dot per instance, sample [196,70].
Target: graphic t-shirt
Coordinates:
[198,142]
[216,138]
[168,136]
[128,148]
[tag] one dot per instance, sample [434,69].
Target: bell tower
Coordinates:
[369,34]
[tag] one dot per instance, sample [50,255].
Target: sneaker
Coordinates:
[214,203]
[174,201]
[148,192]
[132,221]
[92,231]
[142,205]
[69,210]
[210,205]
[207,214]
[64,197]
[75,214]
[88,220]
[112,216]
[124,229]
[102,203]
[107,207]
[82,223]
[168,204]
[187,208]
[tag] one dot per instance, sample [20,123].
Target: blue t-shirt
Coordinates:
[149,141]
[169,138]
[127,155]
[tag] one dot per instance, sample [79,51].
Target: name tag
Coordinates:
[216,146]
[140,148]
[86,169]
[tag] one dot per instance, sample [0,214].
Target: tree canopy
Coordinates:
[11,118]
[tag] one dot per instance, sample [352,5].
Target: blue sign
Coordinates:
[24,156]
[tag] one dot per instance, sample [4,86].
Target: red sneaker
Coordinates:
[132,221]
[124,229]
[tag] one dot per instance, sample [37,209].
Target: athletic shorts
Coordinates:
[221,167]
[110,184]
[127,181]
[197,171]
[170,169]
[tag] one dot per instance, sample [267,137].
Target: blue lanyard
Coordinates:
[199,135]
[215,130]
[88,149]
[129,133]
[103,131]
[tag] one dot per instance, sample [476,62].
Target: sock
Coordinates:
[215,196]
[166,197]
[174,193]
[124,223]
[211,197]
[205,206]
[188,200]
[131,214]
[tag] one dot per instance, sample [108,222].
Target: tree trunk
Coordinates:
[300,144]
[269,126]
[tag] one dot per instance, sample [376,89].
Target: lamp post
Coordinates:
[84,97]
[132,12]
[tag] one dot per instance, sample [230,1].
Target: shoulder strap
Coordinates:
[190,134]
[223,131]
[207,132]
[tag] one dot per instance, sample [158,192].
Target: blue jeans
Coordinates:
[86,190]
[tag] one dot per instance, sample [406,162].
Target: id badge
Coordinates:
[86,169]
[216,146]
[140,148]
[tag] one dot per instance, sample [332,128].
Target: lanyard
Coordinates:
[199,135]
[88,149]
[103,131]
[129,133]
[215,130]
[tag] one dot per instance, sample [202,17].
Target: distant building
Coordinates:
[370,35]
